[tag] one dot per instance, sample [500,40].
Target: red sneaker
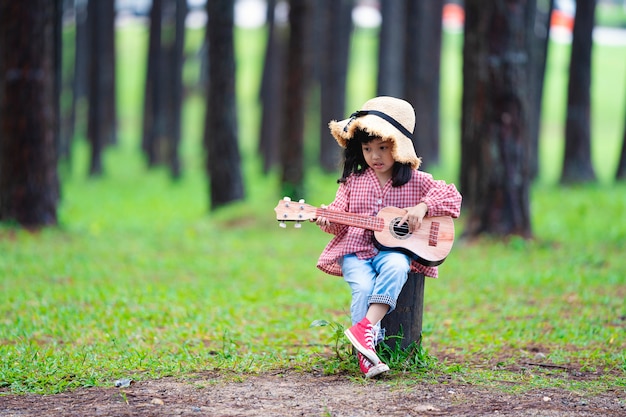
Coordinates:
[368,368]
[362,338]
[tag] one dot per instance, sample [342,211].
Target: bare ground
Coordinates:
[293,393]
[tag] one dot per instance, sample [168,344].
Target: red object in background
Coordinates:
[562,20]
[453,14]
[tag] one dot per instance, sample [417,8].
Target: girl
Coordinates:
[380,169]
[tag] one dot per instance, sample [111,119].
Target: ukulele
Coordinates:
[429,245]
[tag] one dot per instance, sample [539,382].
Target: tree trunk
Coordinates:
[495,142]
[621,166]
[405,322]
[101,125]
[577,166]
[174,54]
[539,55]
[29,185]
[422,69]
[152,96]
[333,62]
[391,49]
[220,135]
[81,73]
[62,140]
[164,89]
[272,96]
[296,87]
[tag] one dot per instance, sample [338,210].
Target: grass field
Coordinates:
[140,281]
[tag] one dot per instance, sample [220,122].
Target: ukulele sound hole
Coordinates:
[397,230]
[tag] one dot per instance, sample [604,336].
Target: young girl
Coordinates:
[380,169]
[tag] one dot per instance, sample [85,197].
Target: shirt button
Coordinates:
[380,201]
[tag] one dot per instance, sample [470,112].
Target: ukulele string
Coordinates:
[359,220]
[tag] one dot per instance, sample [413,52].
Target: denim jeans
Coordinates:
[376,280]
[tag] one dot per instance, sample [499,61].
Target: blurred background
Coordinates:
[238,89]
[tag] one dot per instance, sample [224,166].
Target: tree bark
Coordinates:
[333,62]
[539,58]
[174,53]
[272,96]
[391,49]
[81,73]
[102,121]
[164,86]
[220,135]
[405,322]
[577,166]
[621,166]
[422,69]
[495,139]
[29,185]
[152,96]
[295,90]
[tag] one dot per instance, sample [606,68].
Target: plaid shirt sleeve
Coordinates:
[442,199]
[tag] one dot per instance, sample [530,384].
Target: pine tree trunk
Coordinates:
[101,125]
[333,61]
[577,165]
[495,139]
[404,324]
[296,87]
[621,166]
[272,96]
[221,135]
[29,185]
[539,59]
[391,50]
[152,113]
[422,69]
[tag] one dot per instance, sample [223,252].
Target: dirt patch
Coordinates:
[307,394]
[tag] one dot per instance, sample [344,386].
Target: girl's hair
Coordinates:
[354,162]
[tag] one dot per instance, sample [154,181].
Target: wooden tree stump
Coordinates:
[406,319]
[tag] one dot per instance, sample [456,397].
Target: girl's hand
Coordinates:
[321,221]
[414,216]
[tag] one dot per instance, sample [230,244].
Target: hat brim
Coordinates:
[402,150]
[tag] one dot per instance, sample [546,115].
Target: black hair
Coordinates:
[354,162]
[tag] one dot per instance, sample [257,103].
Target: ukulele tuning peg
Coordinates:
[286,199]
[282,225]
[301,201]
[297,225]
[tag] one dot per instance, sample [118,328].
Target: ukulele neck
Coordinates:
[362,221]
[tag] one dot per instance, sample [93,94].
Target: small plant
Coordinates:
[337,336]
[413,358]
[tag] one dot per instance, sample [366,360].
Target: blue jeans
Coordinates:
[376,280]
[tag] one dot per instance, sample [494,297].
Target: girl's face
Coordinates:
[377,155]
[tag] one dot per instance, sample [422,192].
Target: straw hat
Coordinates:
[392,119]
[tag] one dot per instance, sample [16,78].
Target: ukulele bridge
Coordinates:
[434,234]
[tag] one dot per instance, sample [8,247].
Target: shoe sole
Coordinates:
[376,370]
[369,354]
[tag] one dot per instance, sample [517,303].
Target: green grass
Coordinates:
[140,281]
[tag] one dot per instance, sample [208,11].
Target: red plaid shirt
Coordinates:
[362,194]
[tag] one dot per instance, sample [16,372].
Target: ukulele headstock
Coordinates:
[288,210]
